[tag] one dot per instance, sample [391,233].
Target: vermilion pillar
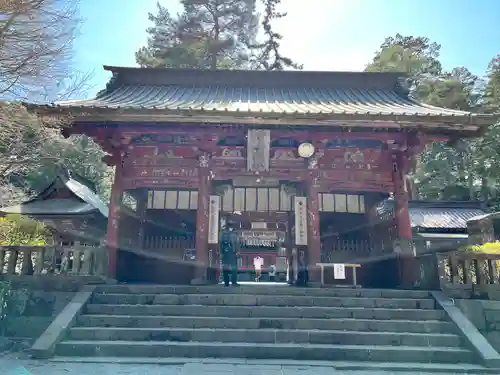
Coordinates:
[401,200]
[142,204]
[202,217]
[114,219]
[403,222]
[313,228]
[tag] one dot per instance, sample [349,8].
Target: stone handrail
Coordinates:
[468,270]
[42,260]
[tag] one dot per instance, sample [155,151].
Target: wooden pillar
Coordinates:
[313,223]
[112,240]
[401,199]
[142,205]
[404,245]
[290,244]
[202,218]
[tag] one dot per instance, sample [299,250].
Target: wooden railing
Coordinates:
[161,243]
[344,250]
[42,260]
[171,248]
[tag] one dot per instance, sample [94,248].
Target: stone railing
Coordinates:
[459,273]
[469,271]
[50,260]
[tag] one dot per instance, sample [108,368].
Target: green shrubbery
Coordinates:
[486,248]
[20,230]
[17,230]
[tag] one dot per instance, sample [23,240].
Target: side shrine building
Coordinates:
[300,160]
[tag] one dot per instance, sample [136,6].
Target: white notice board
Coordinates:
[339,271]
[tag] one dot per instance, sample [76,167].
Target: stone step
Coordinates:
[262,290]
[267,311]
[215,322]
[195,349]
[335,367]
[268,336]
[259,300]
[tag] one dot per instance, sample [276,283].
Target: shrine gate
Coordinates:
[300,159]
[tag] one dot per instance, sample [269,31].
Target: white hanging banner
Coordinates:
[301,221]
[213,219]
[339,271]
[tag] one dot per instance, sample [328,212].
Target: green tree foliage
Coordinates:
[209,34]
[19,230]
[459,169]
[165,48]
[215,34]
[31,153]
[36,64]
[416,56]
[487,151]
[266,54]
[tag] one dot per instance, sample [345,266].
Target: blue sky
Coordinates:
[321,34]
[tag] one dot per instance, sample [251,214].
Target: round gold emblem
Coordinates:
[306,150]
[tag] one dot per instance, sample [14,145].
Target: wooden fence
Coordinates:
[344,250]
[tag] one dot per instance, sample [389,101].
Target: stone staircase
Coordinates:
[265,322]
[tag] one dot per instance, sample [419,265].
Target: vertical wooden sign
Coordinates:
[213,219]
[258,148]
[300,221]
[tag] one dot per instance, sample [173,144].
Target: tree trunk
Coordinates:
[213,57]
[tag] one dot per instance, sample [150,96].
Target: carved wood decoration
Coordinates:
[169,138]
[230,158]
[258,146]
[355,159]
[161,155]
[285,158]
[168,182]
[156,172]
[347,162]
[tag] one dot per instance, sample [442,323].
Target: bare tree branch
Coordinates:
[36,41]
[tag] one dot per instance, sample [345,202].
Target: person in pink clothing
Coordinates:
[258,262]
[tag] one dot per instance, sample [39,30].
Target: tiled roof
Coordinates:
[434,218]
[260,93]
[436,215]
[244,99]
[86,194]
[85,200]
[50,207]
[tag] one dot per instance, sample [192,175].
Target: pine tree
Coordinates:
[445,170]
[487,150]
[266,55]
[208,34]
[164,47]
[491,98]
